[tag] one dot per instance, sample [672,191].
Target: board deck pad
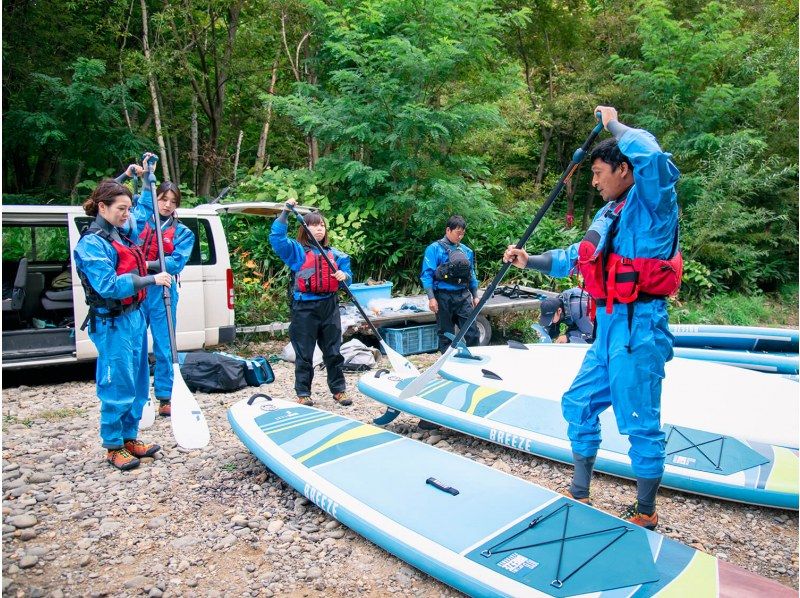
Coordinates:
[569,548]
[704,451]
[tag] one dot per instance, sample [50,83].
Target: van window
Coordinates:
[203,253]
[37,243]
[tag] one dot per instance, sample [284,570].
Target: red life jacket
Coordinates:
[149,240]
[612,277]
[315,275]
[130,259]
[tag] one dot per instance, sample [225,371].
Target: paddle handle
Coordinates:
[309,234]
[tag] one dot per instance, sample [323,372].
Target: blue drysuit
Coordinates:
[455,301]
[122,375]
[153,307]
[315,317]
[624,367]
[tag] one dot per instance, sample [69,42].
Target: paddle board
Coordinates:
[749,338]
[696,394]
[759,361]
[479,530]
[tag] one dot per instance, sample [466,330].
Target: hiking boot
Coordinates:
[633,515]
[139,449]
[164,408]
[122,459]
[587,500]
[342,398]
[304,400]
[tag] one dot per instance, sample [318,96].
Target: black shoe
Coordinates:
[426,425]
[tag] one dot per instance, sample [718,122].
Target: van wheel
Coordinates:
[485,330]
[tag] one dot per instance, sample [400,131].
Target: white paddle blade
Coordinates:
[427,376]
[188,422]
[148,414]
[401,366]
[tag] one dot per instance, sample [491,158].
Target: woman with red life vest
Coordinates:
[315,308]
[630,263]
[113,273]
[178,244]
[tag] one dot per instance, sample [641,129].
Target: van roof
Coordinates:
[51,214]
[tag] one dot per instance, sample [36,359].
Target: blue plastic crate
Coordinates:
[412,339]
[365,293]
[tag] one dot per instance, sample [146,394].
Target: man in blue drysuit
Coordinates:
[625,365]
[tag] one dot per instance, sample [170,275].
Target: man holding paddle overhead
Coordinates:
[630,263]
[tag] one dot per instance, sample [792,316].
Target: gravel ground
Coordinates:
[215,522]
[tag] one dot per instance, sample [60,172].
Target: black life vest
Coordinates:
[315,275]
[610,277]
[130,259]
[457,269]
[149,240]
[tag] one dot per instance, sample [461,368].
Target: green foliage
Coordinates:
[740,310]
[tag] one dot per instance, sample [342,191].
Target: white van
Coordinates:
[43,309]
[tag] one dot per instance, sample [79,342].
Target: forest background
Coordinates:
[390,115]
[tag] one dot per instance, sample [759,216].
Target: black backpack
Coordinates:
[212,372]
[457,269]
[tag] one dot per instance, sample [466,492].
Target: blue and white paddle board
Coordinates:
[479,530]
[759,361]
[745,338]
[695,394]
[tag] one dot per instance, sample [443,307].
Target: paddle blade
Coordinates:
[401,366]
[188,422]
[148,414]
[427,376]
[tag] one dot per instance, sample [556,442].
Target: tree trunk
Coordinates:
[261,159]
[194,152]
[176,160]
[548,135]
[236,159]
[74,193]
[294,63]
[151,78]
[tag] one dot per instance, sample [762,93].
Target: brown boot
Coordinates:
[632,515]
[139,449]
[342,399]
[568,494]
[304,400]
[164,408]
[122,459]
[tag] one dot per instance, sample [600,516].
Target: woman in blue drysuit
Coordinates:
[314,306]
[178,243]
[114,276]
[625,365]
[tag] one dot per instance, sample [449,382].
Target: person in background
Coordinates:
[630,263]
[178,243]
[315,315]
[448,277]
[113,273]
[570,308]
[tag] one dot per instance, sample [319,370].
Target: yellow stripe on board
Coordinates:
[361,431]
[480,393]
[784,475]
[699,578]
[310,420]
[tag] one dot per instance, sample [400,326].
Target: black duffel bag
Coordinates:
[212,372]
